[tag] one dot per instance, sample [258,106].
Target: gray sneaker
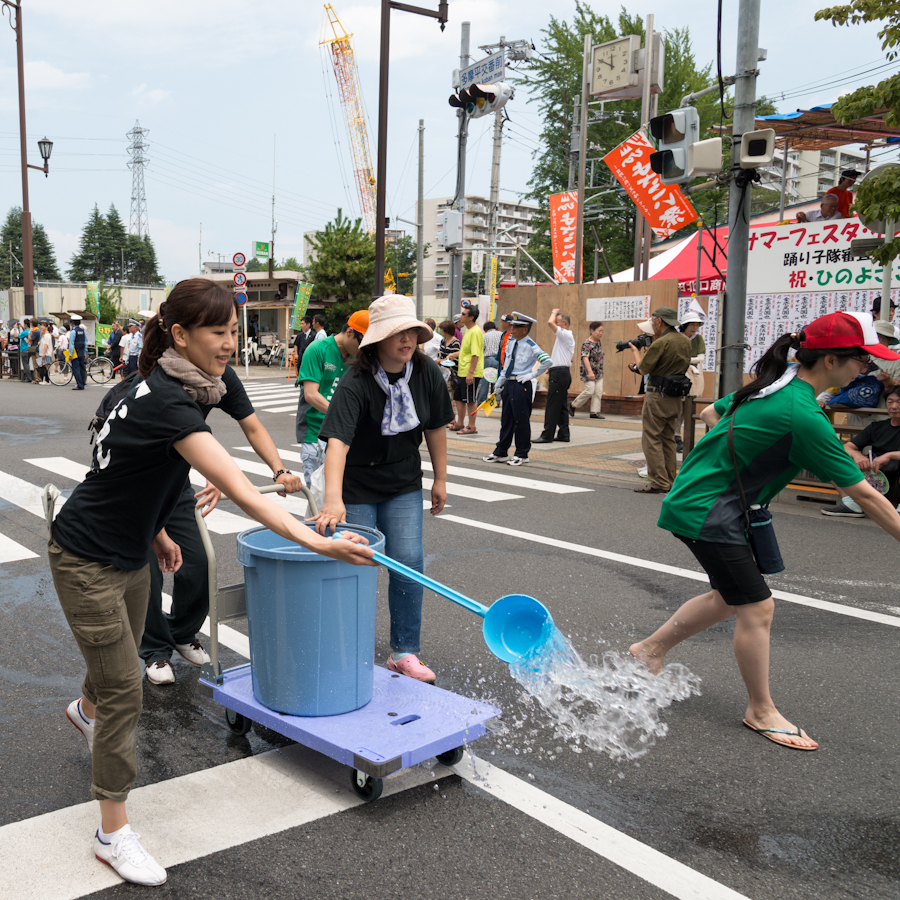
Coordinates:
[843,511]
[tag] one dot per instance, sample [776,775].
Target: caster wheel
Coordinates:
[236,722]
[451,757]
[366,786]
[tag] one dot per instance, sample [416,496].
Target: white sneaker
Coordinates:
[193,652]
[518,461]
[492,457]
[73,714]
[161,672]
[126,855]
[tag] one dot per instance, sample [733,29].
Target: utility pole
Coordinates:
[582,157]
[420,225]
[732,356]
[647,77]
[575,143]
[454,295]
[274,223]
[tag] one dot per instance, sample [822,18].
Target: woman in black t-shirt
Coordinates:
[142,457]
[373,472]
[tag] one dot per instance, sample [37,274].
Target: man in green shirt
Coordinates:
[324,363]
[669,354]
[469,371]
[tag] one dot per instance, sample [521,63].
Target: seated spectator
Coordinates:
[828,209]
[888,370]
[883,439]
[843,193]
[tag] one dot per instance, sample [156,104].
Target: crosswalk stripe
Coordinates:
[453,489]
[10,551]
[274,395]
[24,494]
[282,409]
[275,389]
[510,480]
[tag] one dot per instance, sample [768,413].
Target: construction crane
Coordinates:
[344,64]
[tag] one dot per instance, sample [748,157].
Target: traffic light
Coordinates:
[482,99]
[681,155]
[450,222]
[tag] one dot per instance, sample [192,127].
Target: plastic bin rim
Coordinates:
[295,551]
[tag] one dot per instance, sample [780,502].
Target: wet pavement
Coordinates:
[710,797]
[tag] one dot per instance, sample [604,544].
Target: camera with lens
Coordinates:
[642,340]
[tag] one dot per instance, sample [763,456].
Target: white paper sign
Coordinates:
[618,309]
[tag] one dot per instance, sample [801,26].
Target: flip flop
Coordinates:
[767,732]
[467,430]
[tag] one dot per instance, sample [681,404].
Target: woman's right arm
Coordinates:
[211,460]
[333,509]
[878,508]
[709,416]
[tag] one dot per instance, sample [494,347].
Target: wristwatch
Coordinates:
[279,473]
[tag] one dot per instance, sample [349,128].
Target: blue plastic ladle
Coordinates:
[514,626]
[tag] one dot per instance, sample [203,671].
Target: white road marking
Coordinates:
[10,551]
[282,409]
[228,637]
[269,399]
[510,480]
[473,493]
[293,505]
[799,599]
[59,465]
[23,494]
[648,864]
[286,455]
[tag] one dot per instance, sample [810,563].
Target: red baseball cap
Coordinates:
[845,329]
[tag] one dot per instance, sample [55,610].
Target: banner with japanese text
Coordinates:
[93,297]
[563,224]
[301,302]
[664,206]
[493,287]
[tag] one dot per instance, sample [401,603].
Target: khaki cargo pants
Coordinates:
[106,608]
[658,437]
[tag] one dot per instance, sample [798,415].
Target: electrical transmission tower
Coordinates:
[139,224]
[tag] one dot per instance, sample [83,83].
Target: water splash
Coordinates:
[611,705]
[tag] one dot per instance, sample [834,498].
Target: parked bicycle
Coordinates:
[99,369]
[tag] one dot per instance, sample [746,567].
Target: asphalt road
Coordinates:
[711,811]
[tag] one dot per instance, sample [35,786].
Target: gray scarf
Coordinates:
[201,387]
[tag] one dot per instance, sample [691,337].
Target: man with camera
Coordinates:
[665,362]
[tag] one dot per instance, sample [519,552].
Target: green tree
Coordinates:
[140,260]
[89,263]
[342,269]
[116,240]
[879,196]
[291,264]
[108,303]
[554,80]
[400,256]
[256,265]
[43,255]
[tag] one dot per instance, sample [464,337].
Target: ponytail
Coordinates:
[193,303]
[774,362]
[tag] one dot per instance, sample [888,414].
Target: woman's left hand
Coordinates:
[209,497]
[438,496]
[167,552]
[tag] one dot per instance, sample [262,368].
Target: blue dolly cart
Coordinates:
[405,723]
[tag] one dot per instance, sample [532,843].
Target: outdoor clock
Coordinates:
[612,68]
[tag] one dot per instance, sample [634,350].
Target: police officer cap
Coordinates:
[134,322]
[74,317]
[517,318]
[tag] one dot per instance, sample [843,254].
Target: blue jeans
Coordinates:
[400,521]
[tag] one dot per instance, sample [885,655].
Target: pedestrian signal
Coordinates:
[680,155]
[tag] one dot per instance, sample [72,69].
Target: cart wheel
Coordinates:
[451,757]
[366,786]
[236,722]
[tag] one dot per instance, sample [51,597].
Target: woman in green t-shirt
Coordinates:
[778,429]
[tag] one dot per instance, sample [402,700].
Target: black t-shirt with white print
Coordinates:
[136,475]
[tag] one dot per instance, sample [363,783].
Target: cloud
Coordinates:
[41,76]
[147,98]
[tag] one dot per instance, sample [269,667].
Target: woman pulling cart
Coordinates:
[776,428]
[100,570]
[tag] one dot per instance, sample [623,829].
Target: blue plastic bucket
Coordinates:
[311,622]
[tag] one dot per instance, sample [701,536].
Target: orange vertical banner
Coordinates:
[664,206]
[563,224]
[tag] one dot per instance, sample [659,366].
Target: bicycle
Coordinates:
[100,370]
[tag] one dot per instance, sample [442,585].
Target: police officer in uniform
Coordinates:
[514,387]
[77,350]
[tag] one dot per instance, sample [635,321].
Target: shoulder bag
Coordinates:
[758,526]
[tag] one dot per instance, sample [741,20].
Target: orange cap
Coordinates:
[359,321]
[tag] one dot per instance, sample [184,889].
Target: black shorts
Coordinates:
[465,393]
[732,571]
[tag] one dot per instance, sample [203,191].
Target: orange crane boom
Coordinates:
[344,64]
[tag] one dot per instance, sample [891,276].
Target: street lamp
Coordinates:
[14,9]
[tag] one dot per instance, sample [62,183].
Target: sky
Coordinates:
[235,94]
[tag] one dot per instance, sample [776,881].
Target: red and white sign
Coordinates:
[239,260]
[563,225]
[240,279]
[664,206]
[240,298]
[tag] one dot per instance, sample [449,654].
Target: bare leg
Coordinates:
[460,413]
[751,650]
[472,411]
[694,616]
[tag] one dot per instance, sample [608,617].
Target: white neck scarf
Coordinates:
[789,375]
[399,409]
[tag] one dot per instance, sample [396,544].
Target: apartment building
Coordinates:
[810,173]
[436,274]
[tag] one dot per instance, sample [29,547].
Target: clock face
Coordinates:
[612,64]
